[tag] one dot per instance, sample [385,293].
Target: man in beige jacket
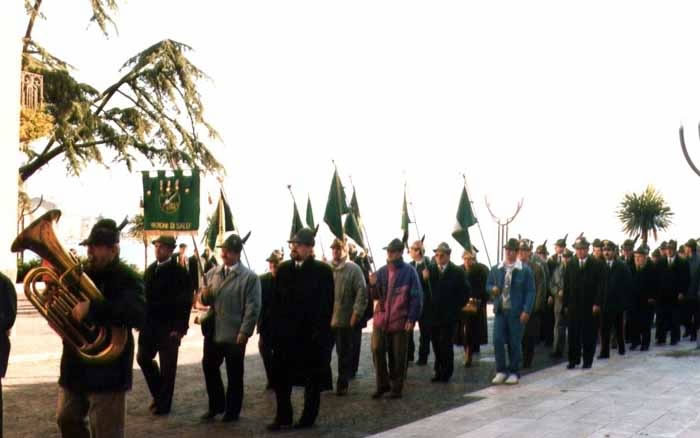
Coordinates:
[349,306]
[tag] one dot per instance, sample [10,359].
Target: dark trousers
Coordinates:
[530,338]
[612,321]
[266,355]
[344,350]
[582,338]
[668,320]
[392,373]
[442,336]
[356,347]
[689,310]
[424,340]
[547,327]
[160,380]
[312,402]
[214,355]
[640,327]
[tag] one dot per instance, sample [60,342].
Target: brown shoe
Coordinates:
[379,392]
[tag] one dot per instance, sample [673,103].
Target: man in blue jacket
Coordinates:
[512,286]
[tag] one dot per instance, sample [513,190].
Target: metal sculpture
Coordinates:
[685,150]
[503,225]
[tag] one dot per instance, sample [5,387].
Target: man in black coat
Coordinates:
[168,304]
[674,278]
[615,300]
[267,293]
[643,298]
[420,262]
[8,313]
[584,280]
[300,331]
[98,390]
[450,290]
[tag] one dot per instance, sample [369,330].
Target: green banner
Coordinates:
[171,201]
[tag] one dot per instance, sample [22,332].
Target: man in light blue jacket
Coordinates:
[512,286]
[233,294]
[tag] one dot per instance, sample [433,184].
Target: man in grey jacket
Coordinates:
[233,294]
[350,301]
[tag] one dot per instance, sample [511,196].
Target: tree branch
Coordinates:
[30,25]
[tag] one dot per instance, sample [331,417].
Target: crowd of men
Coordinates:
[305,308]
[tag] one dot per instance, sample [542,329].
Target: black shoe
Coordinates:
[674,342]
[660,342]
[379,392]
[587,366]
[604,356]
[341,391]
[278,425]
[303,424]
[227,418]
[571,366]
[556,355]
[395,394]
[210,414]
[634,347]
[436,378]
[621,352]
[160,411]
[644,348]
[422,362]
[693,338]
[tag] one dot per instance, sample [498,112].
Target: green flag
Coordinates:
[465,219]
[170,201]
[353,224]
[310,215]
[336,207]
[405,219]
[215,225]
[296,222]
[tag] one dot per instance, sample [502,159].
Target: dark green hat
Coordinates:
[525,244]
[104,232]
[562,242]
[512,244]
[234,243]
[664,245]
[609,244]
[305,236]
[672,244]
[165,240]
[692,244]
[275,256]
[394,245]
[656,253]
[443,248]
[642,249]
[597,243]
[628,244]
[581,242]
[542,249]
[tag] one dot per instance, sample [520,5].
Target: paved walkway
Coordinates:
[651,394]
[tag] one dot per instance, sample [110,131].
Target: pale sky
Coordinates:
[565,104]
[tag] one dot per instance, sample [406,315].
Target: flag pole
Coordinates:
[364,232]
[221,212]
[478,223]
[320,241]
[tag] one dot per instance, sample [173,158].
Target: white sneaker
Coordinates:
[512,380]
[500,378]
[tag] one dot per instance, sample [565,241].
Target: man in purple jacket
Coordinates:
[398,298]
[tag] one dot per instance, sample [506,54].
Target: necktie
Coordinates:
[225,272]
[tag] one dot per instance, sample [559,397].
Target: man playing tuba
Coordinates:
[98,389]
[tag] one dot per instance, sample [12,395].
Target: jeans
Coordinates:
[508,330]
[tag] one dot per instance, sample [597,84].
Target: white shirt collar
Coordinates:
[517,265]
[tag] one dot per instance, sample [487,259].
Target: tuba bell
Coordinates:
[65,285]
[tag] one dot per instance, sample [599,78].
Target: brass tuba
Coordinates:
[65,286]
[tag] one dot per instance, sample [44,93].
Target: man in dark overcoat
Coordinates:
[300,331]
[644,295]
[616,299]
[168,304]
[8,313]
[584,281]
[450,290]
[673,283]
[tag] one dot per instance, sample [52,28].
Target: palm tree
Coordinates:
[136,232]
[644,213]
